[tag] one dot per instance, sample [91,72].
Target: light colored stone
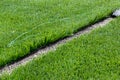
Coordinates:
[116,13]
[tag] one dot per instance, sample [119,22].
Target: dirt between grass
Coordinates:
[52,47]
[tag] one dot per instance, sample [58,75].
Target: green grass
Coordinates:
[28,24]
[93,56]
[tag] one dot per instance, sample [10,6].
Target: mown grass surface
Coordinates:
[93,56]
[28,24]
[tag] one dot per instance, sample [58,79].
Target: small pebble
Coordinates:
[35,55]
[116,13]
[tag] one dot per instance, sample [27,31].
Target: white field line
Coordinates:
[52,47]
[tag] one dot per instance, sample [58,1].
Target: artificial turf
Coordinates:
[28,24]
[93,56]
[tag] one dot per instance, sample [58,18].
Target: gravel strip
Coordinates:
[52,47]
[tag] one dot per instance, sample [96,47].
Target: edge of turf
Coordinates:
[78,32]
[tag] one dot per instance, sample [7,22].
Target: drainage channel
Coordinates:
[52,47]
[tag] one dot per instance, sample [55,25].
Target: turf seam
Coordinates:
[52,47]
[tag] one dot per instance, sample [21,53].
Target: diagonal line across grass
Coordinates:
[93,56]
[26,25]
[53,46]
